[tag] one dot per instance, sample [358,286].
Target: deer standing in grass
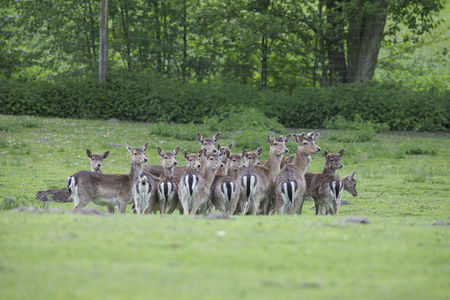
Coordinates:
[194,187]
[257,181]
[226,189]
[332,164]
[290,185]
[167,187]
[107,189]
[96,167]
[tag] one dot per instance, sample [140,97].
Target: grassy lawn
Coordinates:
[403,186]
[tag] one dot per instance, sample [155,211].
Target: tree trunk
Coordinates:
[103,49]
[158,39]
[365,33]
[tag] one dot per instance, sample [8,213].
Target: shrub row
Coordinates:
[141,97]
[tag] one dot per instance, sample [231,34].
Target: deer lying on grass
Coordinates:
[257,181]
[226,189]
[290,183]
[194,187]
[96,167]
[107,189]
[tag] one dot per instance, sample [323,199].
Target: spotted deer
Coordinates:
[257,181]
[107,189]
[290,185]
[226,189]
[194,187]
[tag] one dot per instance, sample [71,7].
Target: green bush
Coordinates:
[144,97]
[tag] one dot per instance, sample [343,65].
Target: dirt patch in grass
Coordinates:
[83,211]
[55,195]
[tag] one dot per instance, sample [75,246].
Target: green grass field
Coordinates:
[403,187]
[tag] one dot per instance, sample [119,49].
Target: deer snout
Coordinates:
[99,165]
[340,166]
[244,166]
[145,159]
[318,149]
[221,165]
[286,150]
[199,166]
[175,163]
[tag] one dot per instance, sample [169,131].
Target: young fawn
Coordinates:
[107,189]
[194,187]
[226,189]
[290,183]
[257,181]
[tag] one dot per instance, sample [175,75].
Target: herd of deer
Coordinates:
[216,179]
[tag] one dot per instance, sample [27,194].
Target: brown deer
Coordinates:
[167,186]
[332,164]
[257,181]
[96,167]
[224,158]
[290,183]
[252,157]
[194,187]
[107,189]
[96,160]
[226,189]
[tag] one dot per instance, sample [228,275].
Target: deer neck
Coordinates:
[136,170]
[327,170]
[209,176]
[232,173]
[168,172]
[302,160]
[273,163]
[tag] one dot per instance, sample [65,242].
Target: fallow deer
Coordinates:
[96,160]
[226,189]
[252,158]
[290,183]
[224,158]
[96,167]
[194,187]
[167,187]
[332,164]
[107,189]
[257,181]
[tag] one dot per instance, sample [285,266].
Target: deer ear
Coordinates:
[129,148]
[259,151]
[145,147]
[201,152]
[185,153]
[199,138]
[352,175]
[325,153]
[216,137]
[287,138]
[341,152]
[105,155]
[159,151]
[177,149]
[269,139]
[230,146]
[243,153]
[227,152]
[316,136]
[89,153]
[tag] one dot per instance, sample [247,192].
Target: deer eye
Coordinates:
[190,159]
[275,144]
[331,159]
[305,144]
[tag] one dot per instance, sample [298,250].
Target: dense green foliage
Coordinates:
[140,97]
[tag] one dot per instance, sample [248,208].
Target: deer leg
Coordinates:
[111,209]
